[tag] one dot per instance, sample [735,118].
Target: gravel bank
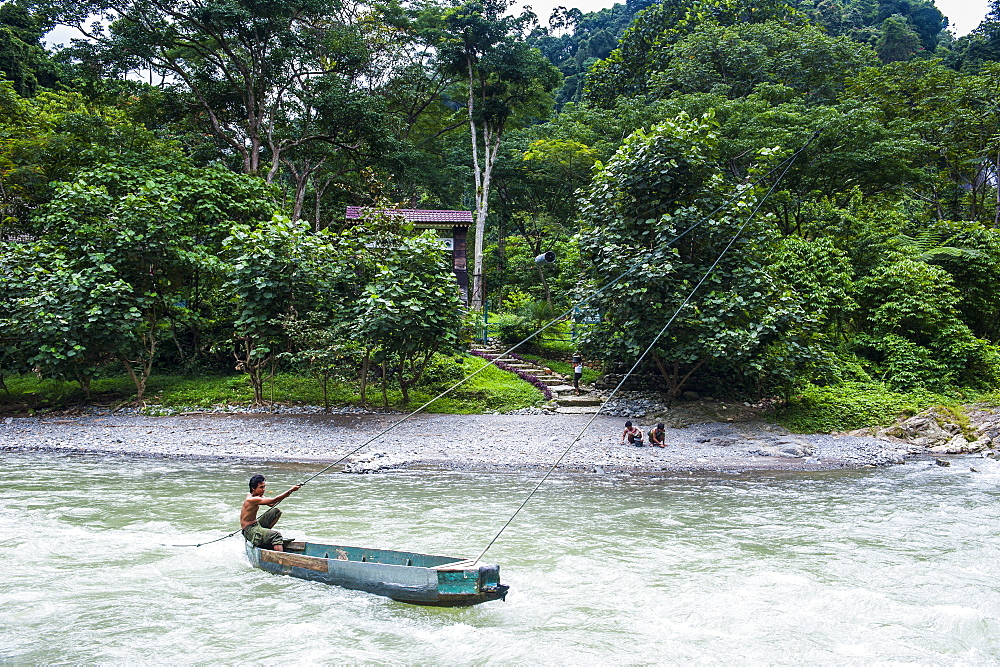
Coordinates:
[468,442]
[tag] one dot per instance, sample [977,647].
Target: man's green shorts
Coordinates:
[260,534]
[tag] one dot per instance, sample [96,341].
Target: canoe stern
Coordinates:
[478,583]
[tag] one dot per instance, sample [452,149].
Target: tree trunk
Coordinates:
[301,177]
[145,363]
[365,364]
[138,379]
[318,193]
[478,296]
[84,381]
[672,376]
[996,178]
[404,387]
[252,369]
[385,382]
[270,377]
[545,285]
[256,383]
[482,170]
[417,368]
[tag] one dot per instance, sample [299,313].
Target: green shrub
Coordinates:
[443,371]
[511,328]
[852,405]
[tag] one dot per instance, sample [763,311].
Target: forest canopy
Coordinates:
[173,186]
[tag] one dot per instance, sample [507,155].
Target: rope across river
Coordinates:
[783,166]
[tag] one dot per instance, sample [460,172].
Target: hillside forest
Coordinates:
[807,190]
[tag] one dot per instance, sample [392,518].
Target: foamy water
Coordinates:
[893,564]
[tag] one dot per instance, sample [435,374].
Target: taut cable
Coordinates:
[646,352]
[786,163]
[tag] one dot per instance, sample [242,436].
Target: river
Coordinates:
[887,564]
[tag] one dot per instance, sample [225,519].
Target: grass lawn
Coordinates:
[490,390]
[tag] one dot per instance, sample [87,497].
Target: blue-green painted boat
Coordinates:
[408,577]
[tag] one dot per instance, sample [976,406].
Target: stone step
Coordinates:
[557,383]
[577,410]
[580,401]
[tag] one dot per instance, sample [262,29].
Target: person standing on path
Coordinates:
[258,531]
[577,372]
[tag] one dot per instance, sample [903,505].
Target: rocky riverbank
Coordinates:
[701,435]
[476,442]
[942,431]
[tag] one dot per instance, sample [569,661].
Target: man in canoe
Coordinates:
[258,531]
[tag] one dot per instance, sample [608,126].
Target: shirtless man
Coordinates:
[258,531]
[632,434]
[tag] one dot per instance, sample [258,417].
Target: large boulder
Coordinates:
[926,429]
[788,448]
[795,448]
[959,445]
[987,422]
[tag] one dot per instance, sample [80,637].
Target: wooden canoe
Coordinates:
[407,577]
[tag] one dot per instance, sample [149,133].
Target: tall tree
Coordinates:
[266,78]
[506,82]
[897,40]
[626,71]
[23,59]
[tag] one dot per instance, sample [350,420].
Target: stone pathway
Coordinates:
[566,402]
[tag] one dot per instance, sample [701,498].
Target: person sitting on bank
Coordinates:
[656,436]
[632,434]
[258,531]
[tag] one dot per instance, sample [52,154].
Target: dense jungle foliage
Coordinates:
[173,186]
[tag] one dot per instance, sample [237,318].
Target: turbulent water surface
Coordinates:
[891,564]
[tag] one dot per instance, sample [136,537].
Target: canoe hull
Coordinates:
[404,576]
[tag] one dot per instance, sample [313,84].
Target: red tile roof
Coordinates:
[417,215]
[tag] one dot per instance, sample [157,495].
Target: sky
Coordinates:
[965,15]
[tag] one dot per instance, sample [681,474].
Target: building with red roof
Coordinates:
[452,228]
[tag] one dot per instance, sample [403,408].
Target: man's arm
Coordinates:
[278,498]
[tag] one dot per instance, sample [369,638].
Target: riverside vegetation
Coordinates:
[172,192]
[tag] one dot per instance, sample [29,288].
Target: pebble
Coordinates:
[165,411]
[467,442]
